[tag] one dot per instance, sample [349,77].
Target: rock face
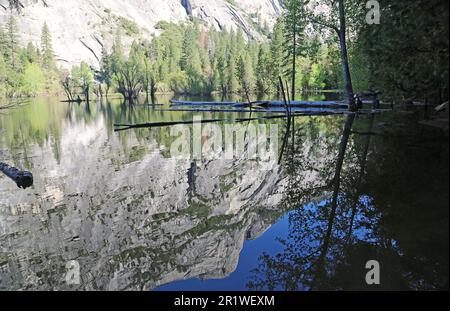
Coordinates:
[80,28]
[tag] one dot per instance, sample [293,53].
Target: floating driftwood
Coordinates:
[23,179]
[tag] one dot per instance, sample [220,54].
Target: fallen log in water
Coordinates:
[303,104]
[23,179]
[264,103]
[123,127]
[78,101]
[174,102]
[161,124]
[205,109]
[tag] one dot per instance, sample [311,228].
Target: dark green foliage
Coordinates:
[408,50]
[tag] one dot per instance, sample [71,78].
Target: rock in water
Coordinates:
[23,179]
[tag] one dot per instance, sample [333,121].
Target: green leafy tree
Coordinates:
[129,73]
[34,79]
[84,79]
[317,77]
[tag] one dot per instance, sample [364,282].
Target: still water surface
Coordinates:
[134,218]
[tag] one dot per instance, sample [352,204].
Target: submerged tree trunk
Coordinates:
[344,56]
[23,179]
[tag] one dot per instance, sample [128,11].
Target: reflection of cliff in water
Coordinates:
[132,218]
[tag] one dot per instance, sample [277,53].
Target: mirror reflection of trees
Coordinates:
[364,208]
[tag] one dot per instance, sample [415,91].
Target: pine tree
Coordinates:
[245,75]
[277,55]
[188,48]
[48,61]
[12,46]
[3,42]
[263,70]
[31,53]
[3,75]
[239,41]
[294,23]
[232,83]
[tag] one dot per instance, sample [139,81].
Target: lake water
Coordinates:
[116,207]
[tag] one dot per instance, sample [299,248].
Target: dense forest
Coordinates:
[404,55]
[26,71]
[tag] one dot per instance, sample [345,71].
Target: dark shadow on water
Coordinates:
[379,198]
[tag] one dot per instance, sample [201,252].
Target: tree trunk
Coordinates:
[294,52]
[344,56]
[23,179]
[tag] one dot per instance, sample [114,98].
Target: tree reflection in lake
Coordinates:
[389,203]
[136,219]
